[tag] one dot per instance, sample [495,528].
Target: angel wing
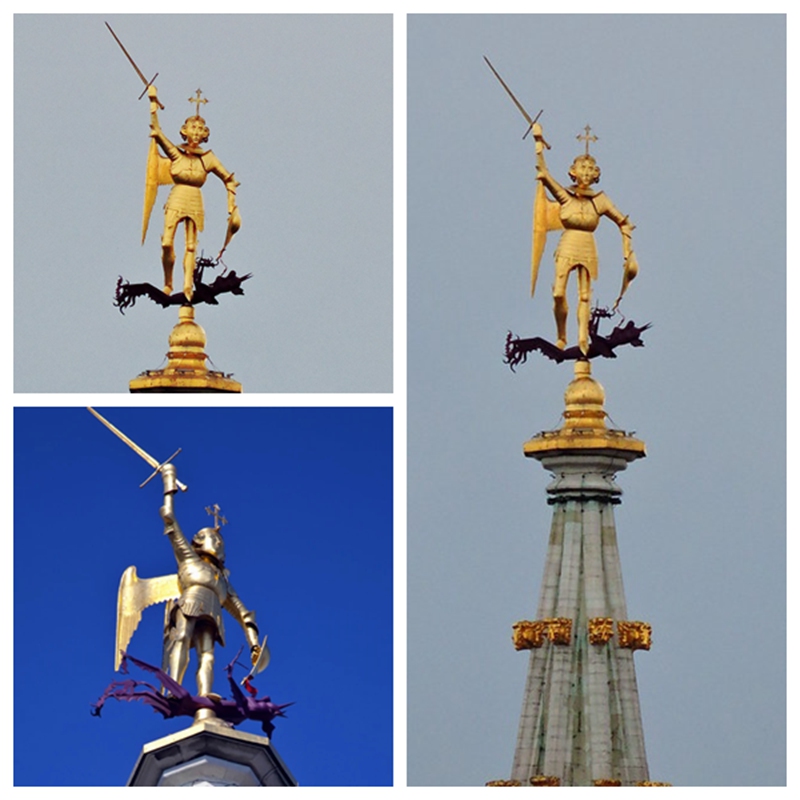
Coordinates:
[157,174]
[545,218]
[134,596]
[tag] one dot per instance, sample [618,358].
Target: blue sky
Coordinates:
[308,496]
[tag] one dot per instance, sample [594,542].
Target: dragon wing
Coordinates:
[157,174]
[545,218]
[134,596]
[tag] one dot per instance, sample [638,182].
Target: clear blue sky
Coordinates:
[308,496]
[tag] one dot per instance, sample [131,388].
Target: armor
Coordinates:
[195,598]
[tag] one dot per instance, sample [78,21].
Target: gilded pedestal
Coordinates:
[186,369]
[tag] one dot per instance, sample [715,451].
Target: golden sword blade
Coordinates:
[154,463]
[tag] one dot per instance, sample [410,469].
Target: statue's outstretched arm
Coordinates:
[155,128]
[183,550]
[542,173]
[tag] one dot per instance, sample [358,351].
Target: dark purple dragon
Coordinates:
[517,349]
[177,702]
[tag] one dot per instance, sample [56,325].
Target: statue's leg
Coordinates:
[181,640]
[168,253]
[189,259]
[560,307]
[204,644]
[584,308]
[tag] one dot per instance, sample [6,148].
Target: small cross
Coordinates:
[587,137]
[197,100]
[219,520]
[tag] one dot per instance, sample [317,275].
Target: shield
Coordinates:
[545,218]
[234,223]
[261,663]
[136,594]
[630,272]
[156,174]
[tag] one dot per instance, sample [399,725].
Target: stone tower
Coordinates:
[580,723]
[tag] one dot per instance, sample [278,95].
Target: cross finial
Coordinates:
[197,100]
[587,137]
[219,520]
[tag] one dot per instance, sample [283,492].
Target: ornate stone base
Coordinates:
[210,754]
[186,369]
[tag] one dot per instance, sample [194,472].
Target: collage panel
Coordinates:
[231,231]
[291,506]
[519,535]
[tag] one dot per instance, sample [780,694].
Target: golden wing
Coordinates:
[545,218]
[157,174]
[134,596]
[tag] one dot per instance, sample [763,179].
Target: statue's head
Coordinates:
[209,541]
[195,131]
[584,171]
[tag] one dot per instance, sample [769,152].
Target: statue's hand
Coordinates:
[255,652]
[631,266]
[152,92]
[234,219]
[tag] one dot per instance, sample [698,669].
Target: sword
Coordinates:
[133,64]
[136,449]
[531,122]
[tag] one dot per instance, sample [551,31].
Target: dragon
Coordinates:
[517,350]
[173,700]
[127,293]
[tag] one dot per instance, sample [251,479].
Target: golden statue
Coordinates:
[195,595]
[186,167]
[577,210]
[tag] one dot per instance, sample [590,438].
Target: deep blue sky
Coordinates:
[308,496]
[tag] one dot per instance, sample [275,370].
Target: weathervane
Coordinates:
[576,210]
[184,167]
[195,595]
